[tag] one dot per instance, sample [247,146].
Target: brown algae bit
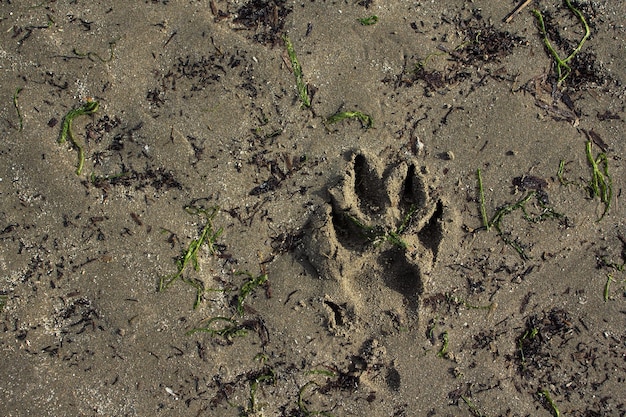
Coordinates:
[89,107]
[297,72]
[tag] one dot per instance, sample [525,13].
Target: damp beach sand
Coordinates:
[333,208]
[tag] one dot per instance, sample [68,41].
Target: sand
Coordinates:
[341,269]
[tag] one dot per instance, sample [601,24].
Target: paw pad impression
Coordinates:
[381,230]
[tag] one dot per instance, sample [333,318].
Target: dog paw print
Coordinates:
[379,236]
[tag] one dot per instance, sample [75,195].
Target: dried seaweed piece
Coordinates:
[608,115]
[534,343]
[592,135]
[529,182]
[483,43]
[268,14]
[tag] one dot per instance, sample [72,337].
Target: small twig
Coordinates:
[516,11]
[17,108]
[481,191]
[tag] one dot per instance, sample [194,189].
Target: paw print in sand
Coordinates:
[378,238]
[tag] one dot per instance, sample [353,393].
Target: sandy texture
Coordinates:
[348,271]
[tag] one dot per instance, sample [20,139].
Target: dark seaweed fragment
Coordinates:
[529,182]
[267,17]
[539,336]
[158,178]
[483,44]
[271,184]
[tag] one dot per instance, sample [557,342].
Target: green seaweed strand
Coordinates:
[209,237]
[601,184]
[66,130]
[562,68]
[546,394]
[339,116]
[248,287]
[297,72]
[368,21]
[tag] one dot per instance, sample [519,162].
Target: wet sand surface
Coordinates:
[227,250]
